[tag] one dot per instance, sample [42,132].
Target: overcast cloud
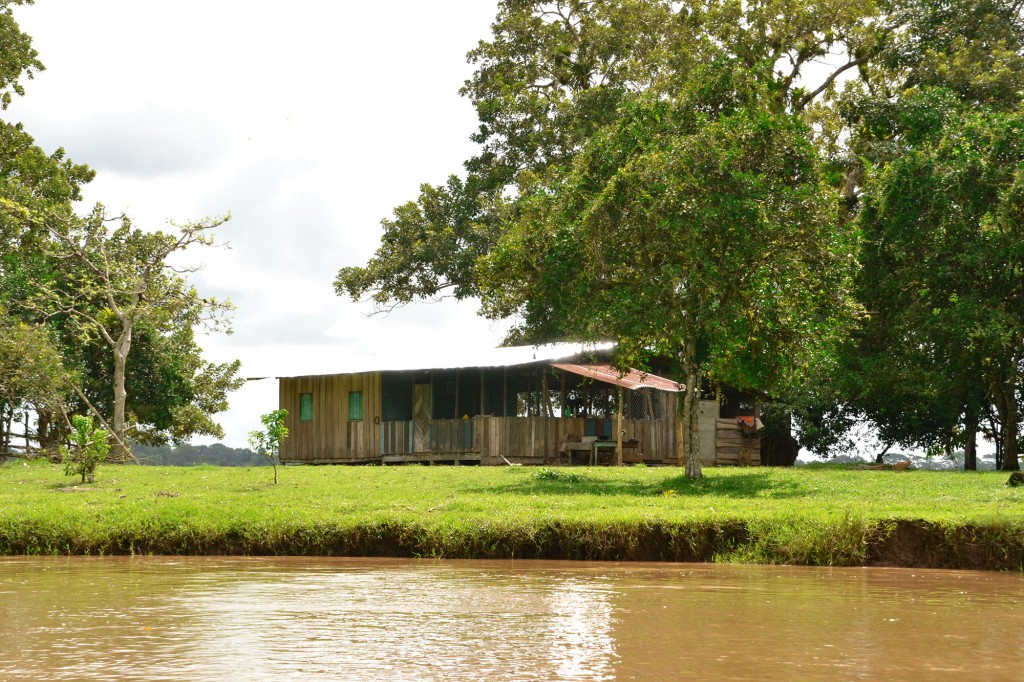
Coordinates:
[308,122]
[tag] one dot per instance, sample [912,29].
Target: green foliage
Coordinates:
[19,58]
[174,393]
[115,283]
[549,79]
[550,84]
[416,258]
[675,229]
[187,455]
[31,372]
[546,474]
[700,229]
[96,291]
[944,222]
[89,447]
[268,441]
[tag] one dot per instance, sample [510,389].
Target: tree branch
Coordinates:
[806,99]
[106,426]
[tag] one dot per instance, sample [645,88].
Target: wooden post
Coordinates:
[563,409]
[679,431]
[618,433]
[545,393]
[485,437]
[457,415]
[481,391]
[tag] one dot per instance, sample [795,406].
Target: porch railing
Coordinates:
[396,438]
[440,436]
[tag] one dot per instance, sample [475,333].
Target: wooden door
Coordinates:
[421,403]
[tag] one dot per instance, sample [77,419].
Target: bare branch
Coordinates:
[106,426]
[806,99]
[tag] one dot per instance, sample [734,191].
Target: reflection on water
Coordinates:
[271,619]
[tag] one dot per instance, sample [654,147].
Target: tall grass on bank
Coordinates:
[817,516]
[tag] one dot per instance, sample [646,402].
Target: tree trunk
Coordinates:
[5,430]
[50,433]
[971,442]
[121,350]
[691,414]
[778,447]
[880,457]
[1010,427]
[545,392]
[680,446]
[693,465]
[999,452]
[997,419]
[618,433]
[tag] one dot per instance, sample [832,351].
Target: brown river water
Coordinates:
[161,618]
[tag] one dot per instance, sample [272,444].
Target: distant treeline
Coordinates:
[191,455]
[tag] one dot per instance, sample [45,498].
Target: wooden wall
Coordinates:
[708,442]
[330,437]
[734,447]
[664,450]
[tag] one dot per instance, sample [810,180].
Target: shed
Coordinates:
[530,405]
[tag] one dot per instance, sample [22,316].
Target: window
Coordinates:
[306,407]
[355,405]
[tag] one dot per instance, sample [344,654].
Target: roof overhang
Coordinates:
[631,379]
[446,359]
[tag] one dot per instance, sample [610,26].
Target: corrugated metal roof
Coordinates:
[633,379]
[460,358]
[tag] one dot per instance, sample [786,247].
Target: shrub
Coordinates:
[89,447]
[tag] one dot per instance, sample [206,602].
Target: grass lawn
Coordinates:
[807,515]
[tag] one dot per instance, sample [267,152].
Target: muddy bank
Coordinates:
[895,543]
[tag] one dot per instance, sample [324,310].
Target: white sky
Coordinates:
[309,121]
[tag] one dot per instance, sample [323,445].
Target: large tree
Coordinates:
[700,229]
[91,290]
[945,220]
[947,56]
[553,74]
[32,374]
[116,280]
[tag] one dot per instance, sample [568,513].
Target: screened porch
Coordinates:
[534,413]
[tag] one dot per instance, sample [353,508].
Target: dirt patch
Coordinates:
[920,544]
[72,489]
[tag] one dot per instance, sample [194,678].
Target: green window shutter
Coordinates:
[306,407]
[355,405]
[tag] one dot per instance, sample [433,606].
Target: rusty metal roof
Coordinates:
[632,379]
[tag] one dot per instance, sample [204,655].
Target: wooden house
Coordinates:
[531,405]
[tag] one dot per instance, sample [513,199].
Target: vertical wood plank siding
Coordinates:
[330,436]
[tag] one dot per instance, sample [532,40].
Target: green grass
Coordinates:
[820,516]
